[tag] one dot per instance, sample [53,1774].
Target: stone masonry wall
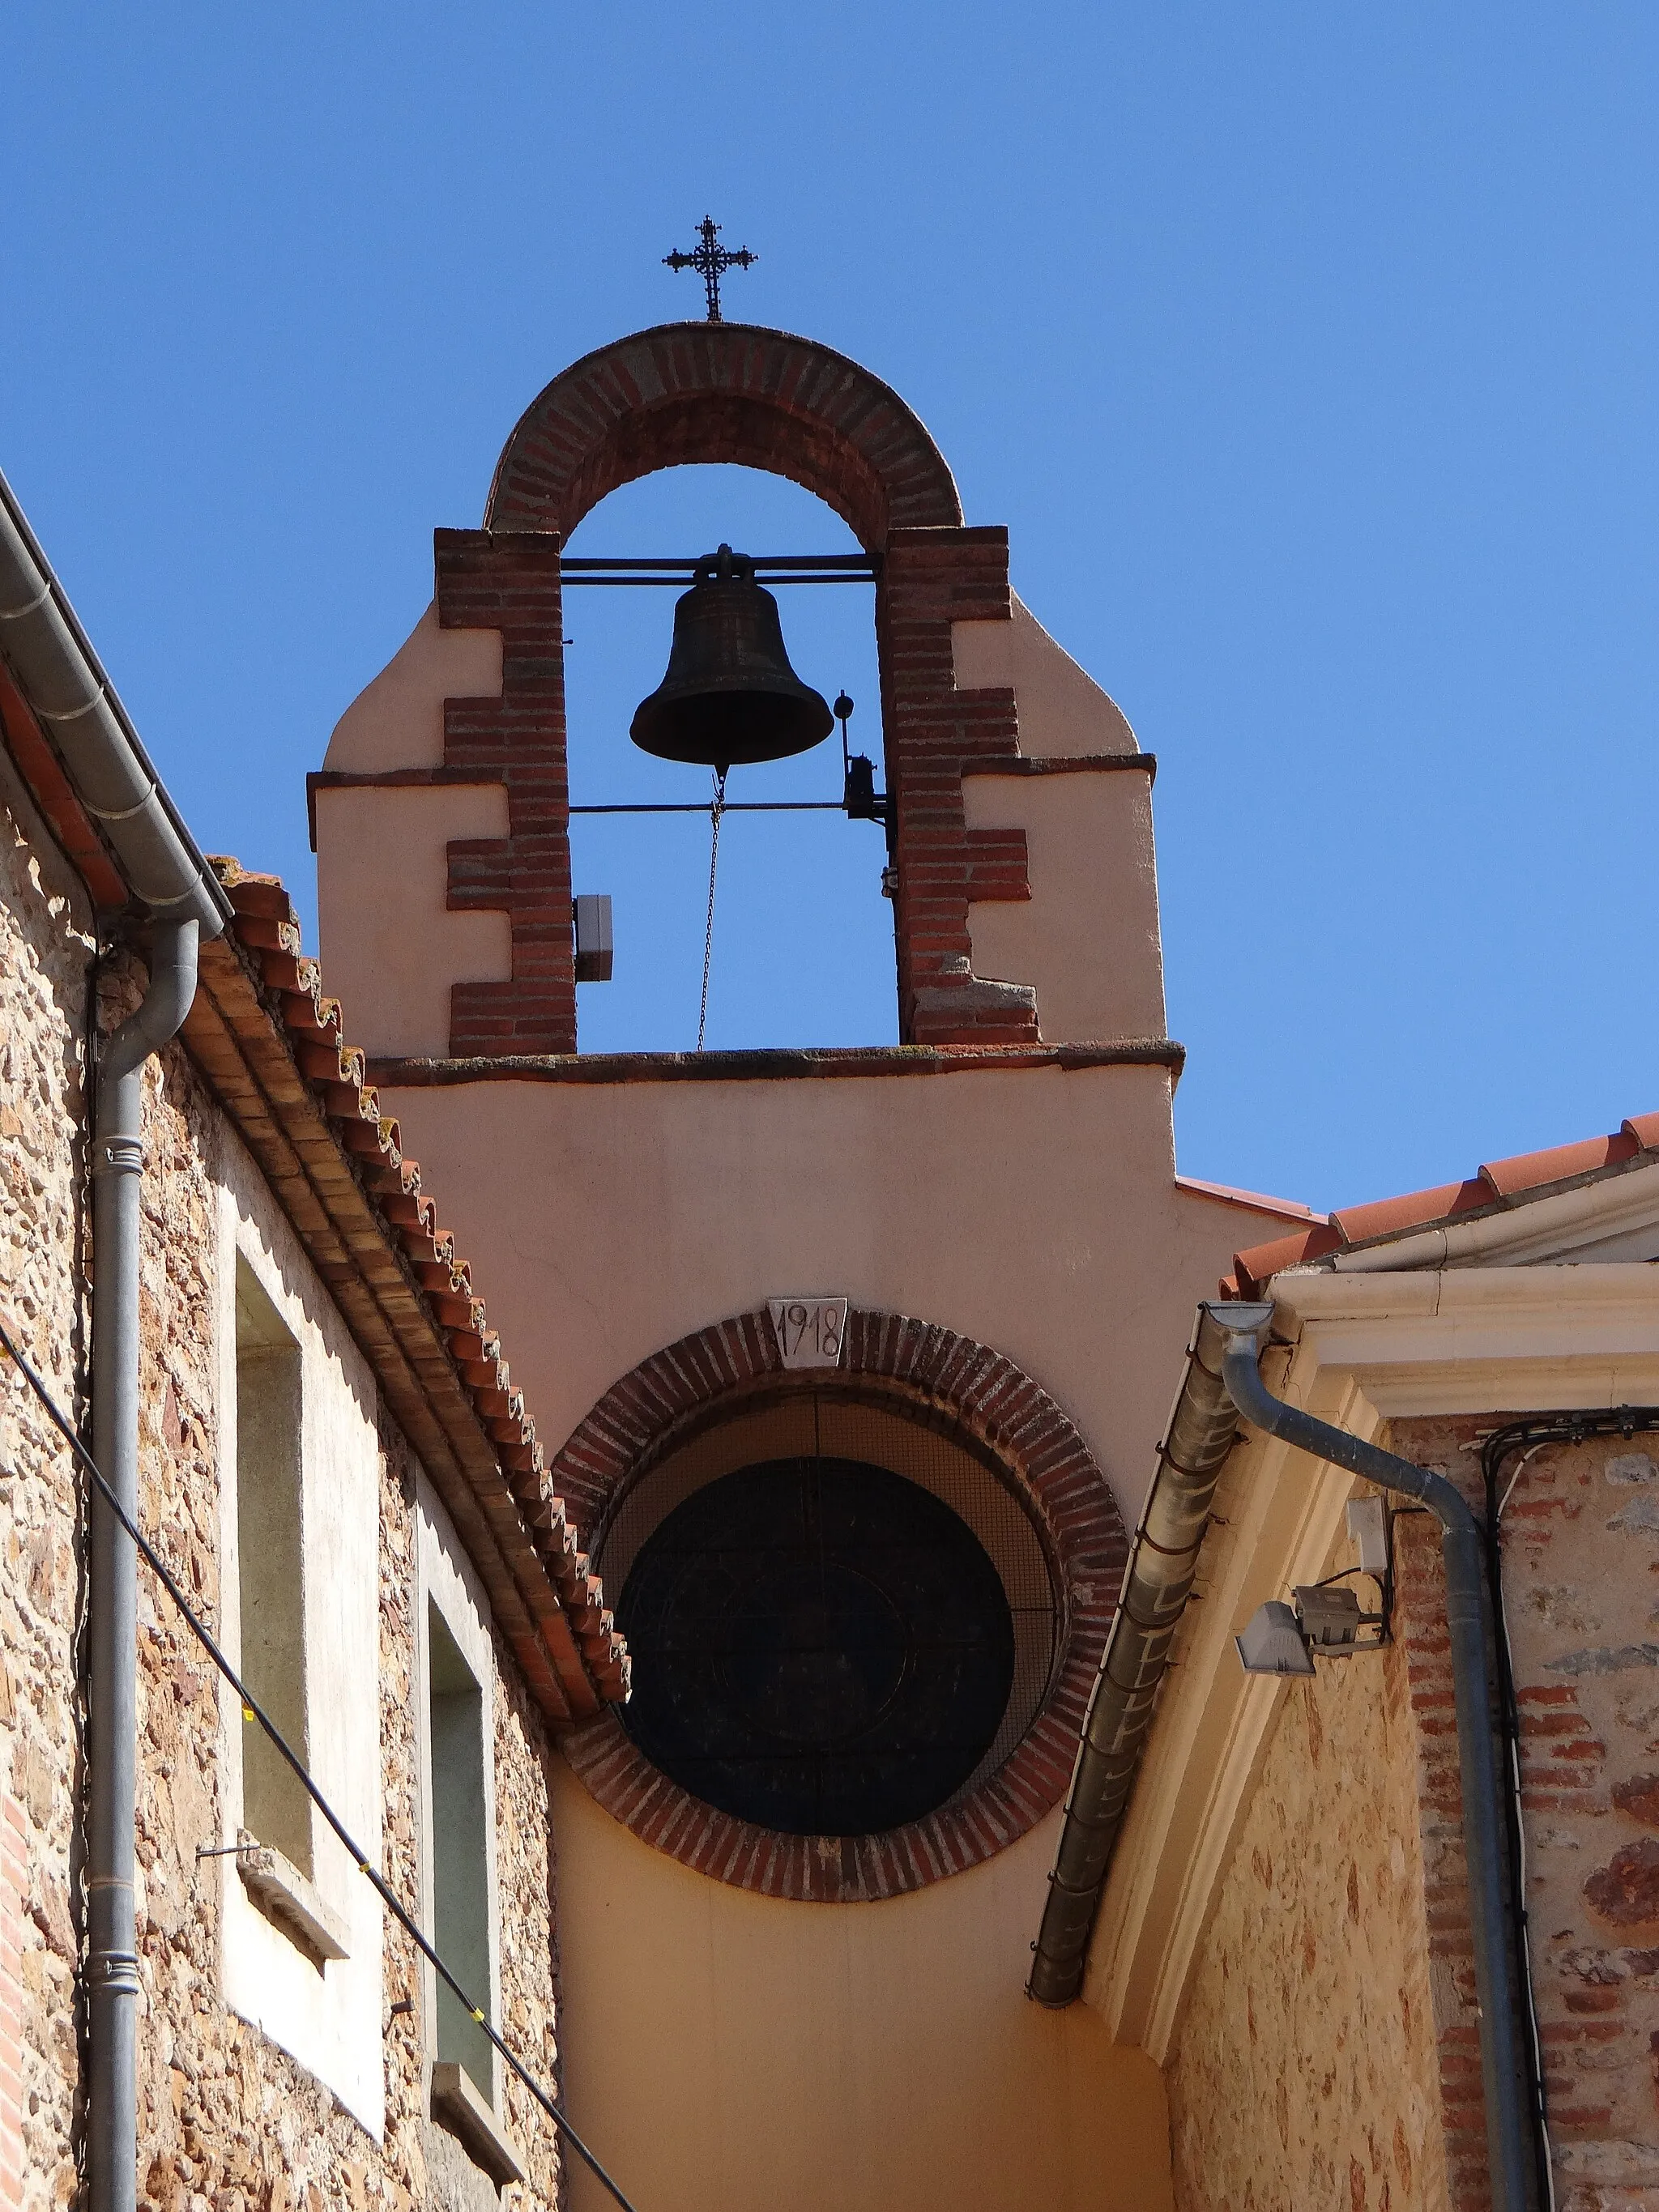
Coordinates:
[1304,2071]
[44,959]
[1580,1575]
[227,2120]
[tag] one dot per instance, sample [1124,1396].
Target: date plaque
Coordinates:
[809,1329]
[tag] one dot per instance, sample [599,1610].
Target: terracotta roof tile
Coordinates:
[270,1044]
[1261,1260]
[1499,1184]
[1527,1170]
[1387,1217]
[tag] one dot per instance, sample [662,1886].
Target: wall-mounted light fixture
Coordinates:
[1325,1617]
[1271,1642]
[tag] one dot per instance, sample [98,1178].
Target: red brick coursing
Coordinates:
[728,392]
[1419,1625]
[930,1375]
[1579,1573]
[721,392]
[511,584]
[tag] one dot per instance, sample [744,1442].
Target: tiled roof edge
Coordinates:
[266,940]
[1500,1187]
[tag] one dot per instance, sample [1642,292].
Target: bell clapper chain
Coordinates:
[717,807]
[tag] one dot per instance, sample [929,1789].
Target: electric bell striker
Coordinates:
[730,695]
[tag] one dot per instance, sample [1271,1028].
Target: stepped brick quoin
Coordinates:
[932,579]
[940,1380]
[729,393]
[511,584]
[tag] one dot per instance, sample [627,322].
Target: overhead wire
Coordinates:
[252,1709]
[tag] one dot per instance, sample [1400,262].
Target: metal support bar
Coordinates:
[677,565]
[774,568]
[875,810]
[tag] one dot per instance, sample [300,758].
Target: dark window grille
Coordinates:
[820,1646]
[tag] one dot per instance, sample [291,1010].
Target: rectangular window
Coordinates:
[270,1539]
[460,1848]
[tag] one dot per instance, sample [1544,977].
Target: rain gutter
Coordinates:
[1163,1560]
[63,681]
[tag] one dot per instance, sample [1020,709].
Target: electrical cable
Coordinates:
[253,1711]
[1528,1437]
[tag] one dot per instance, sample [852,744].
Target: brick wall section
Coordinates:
[1581,1573]
[1421,1628]
[930,1375]
[510,583]
[730,393]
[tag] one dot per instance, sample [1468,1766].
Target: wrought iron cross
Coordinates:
[711,261]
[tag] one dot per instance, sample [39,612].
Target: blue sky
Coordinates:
[1306,352]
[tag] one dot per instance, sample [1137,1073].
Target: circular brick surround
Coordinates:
[939,1379]
[721,392]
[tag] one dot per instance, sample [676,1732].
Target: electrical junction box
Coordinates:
[591,917]
[1330,1618]
[1368,1528]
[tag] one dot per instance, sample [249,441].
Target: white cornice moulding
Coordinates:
[1476,1340]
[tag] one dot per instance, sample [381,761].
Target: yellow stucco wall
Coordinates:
[1304,2071]
[726,2052]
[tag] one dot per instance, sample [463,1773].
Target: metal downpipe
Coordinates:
[111,1969]
[1508,2142]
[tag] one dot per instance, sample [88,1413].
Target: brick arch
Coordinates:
[938,1378]
[728,392]
[721,392]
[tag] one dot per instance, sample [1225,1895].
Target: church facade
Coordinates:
[709,1687]
[991,1204]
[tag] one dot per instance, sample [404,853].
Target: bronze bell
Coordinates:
[730,694]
